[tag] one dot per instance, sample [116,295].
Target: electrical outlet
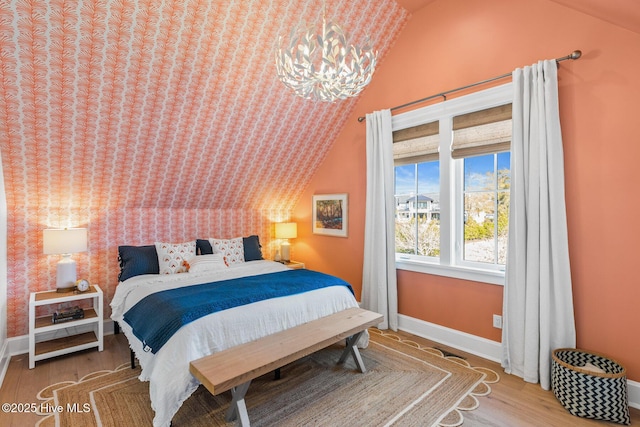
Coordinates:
[497,321]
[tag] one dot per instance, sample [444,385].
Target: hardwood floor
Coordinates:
[21,384]
[512,402]
[515,403]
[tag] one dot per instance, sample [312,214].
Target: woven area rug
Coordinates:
[405,384]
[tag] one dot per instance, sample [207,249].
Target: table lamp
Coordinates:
[65,242]
[286,230]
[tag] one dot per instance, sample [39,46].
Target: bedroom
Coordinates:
[477,40]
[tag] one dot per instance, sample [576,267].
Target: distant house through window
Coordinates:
[452,181]
[418,209]
[417,190]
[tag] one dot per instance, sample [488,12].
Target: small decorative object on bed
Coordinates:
[590,385]
[215,306]
[171,256]
[330,214]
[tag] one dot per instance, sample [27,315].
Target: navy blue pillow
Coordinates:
[203,247]
[137,260]
[252,248]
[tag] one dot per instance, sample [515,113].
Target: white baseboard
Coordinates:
[5,358]
[633,388]
[478,346]
[482,347]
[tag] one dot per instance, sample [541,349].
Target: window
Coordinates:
[417,190]
[486,208]
[417,194]
[452,180]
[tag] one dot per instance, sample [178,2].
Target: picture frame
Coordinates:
[330,214]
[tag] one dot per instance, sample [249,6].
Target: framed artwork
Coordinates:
[330,214]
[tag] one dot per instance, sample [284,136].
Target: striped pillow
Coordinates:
[210,262]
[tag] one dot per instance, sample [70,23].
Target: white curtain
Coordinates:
[538,303]
[379,285]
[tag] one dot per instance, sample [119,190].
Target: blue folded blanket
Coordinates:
[155,318]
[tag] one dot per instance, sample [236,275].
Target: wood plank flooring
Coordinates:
[512,402]
[21,384]
[515,403]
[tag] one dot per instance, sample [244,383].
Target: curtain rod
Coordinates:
[573,55]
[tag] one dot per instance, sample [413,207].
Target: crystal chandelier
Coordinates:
[324,66]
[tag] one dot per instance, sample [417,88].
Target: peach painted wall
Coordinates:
[451,43]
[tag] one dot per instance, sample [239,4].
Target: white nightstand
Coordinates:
[79,334]
[296,265]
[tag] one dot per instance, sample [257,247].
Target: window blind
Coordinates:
[482,132]
[416,144]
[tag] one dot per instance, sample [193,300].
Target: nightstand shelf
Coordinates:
[43,324]
[64,345]
[80,334]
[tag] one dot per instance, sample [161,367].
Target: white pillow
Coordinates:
[232,249]
[171,256]
[212,262]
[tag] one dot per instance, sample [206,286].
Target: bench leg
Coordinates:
[352,349]
[238,409]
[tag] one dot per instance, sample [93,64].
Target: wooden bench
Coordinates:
[234,368]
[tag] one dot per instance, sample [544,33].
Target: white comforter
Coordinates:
[167,371]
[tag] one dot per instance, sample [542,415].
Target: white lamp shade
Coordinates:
[64,241]
[286,230]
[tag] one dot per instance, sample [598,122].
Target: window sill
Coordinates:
[456,272]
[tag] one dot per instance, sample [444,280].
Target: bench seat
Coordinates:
[234,368]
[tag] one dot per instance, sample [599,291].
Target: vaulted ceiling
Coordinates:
[150,104]
[623,13]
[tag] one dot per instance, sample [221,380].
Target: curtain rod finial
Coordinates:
[576,54]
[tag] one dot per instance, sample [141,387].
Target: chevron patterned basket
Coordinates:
[587,393]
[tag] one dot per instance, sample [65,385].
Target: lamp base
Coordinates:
[285,251]
[66,275]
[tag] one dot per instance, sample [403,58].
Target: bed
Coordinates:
[166,367]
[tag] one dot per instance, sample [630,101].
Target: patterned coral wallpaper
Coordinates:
[149,120]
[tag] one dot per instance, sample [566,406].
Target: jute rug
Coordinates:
[405,384]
